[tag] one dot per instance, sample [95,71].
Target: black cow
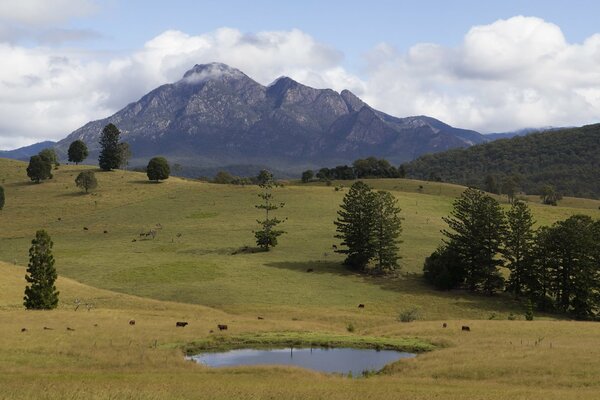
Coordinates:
[222,327]
[444,325]
[181,324]
[132,322]
[361,306]
[466,328]
[310,270]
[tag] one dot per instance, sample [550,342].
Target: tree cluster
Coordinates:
[370,167]
[568,159]
[369,227]
[555,267]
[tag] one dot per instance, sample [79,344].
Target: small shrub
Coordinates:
[350,327]
[492,316]
[409,315]
[529,312]
[512,317]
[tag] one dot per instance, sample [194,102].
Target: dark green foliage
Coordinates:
[355,226]
[223,177]
[386,233]
[476,232]
[529,312]
[110,153]
[124,154]
[86,180]
[307,175]
[548,195]
[49,156]
[518,244]
[443,268]
[1,198]
[569,159]
[77,152]
[369,226]
[39,169]
[41,274]
[362,168]
[491,184]
[267,236]
[510,186]
[158,169]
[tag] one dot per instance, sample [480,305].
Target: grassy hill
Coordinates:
[568,159]
[188,272]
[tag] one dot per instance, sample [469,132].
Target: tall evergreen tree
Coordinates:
[386,232]
[110,153]
[41,293]
[39,169]
[355,226]
[517,245]
[477,227]
[77,152]
[267,236]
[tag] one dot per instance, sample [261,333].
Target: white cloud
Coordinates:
[506,75]
[44,12]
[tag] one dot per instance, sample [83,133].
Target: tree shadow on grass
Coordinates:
[21,184]
[143,182]
[410,284]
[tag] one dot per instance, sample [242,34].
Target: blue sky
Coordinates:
[485,65]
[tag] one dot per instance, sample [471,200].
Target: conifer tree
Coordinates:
[267,236]
[517,245]
[386,232]
[77,152]
[41,293]
[110,153]
[355,226]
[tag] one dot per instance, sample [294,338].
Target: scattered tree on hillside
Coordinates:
[158,169]
[86,180]
[491,184]
[477,228]
[509,187]
[1,197]
[124,155]
[110,153]
[39,169]
[549,195]
[444,269]
[267,236]
[518,244]
[41,274]
[386,233]
[307,175]
[77,152]
[49,155]
[223,177]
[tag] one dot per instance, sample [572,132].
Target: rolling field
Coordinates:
[190,272]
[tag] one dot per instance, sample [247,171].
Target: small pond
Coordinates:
[336,360]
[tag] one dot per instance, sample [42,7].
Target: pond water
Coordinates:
[338,360]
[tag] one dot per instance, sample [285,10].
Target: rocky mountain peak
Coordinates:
[213,71]
[352,101]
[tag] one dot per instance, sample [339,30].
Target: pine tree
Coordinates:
[477,228]
[77,152]
[110,153]
[39,169]
[386,232]
[267,236]
[355,221]
[42,293]
[517,245]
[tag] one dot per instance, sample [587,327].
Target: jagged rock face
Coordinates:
[216,115]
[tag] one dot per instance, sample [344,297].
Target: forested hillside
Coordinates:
[567,159]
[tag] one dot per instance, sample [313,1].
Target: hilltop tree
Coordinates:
[1,197]
[307,175]
[355,226]
[517,245]
[124,154]
[39,169]
[41,274]
[267,236]
[386,232]
[86,180]
[49,155]
[77,152]
[110,153]
[477,227]
[158,169]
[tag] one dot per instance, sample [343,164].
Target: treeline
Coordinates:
[567,160]
[370,167]
[556,268]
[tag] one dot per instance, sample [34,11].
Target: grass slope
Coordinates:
[194,277]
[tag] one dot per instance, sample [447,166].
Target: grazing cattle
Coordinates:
[310,270]
[444,325]
[48,329]
[105,231]
[260,318]
[361,306]
[132,322]
[70,329]
[211,331]
[85,228]
[222,327]
[23,329]
[59,218]
[134,240]
[466,328]
[181,324]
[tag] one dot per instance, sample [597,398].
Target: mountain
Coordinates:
[568,159]
[24,153]
[216,116]
[520,132]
